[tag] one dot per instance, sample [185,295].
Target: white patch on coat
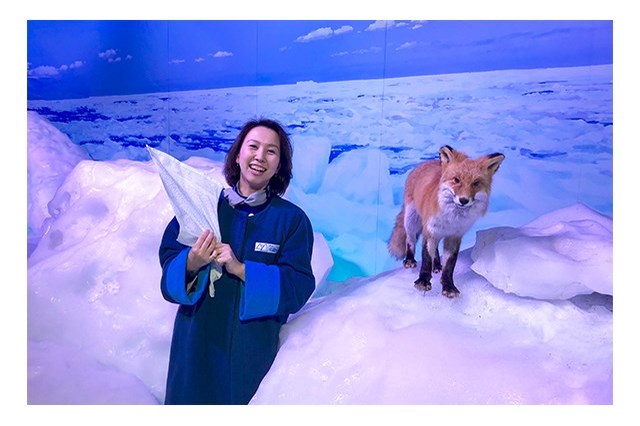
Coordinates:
[267,248]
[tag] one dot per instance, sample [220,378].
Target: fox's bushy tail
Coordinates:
[397,244]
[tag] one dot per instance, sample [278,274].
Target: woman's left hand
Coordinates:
[223,255]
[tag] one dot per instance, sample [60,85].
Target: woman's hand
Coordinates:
[202,252]
[224,256]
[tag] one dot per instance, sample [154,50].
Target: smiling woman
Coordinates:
[258,160]
[263,159]
[225,340]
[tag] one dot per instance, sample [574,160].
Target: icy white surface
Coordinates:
[555,127]
[95,308]
[93,298]
[560,255]
[50,157]
[93,280]
[383,342]
[310,160]
[63,375]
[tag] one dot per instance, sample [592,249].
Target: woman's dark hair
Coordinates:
[280,181]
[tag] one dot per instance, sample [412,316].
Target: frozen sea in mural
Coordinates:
[97,210]
[356,141]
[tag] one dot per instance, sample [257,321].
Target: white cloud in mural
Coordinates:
[49,71]
[380,25]
[43,71]
[343,29]
[323,33]
[372,49]
[76,64]
[414,25]
[107,54]
[222,54]
[407,45]
[111,55]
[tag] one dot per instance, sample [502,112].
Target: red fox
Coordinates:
[442,200]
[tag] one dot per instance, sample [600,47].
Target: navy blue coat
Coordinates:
[222,347]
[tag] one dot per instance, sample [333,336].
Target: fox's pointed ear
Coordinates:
[493,161]
[446,154]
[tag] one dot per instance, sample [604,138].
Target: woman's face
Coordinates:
[259,159]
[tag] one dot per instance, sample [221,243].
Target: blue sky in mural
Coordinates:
[74,59]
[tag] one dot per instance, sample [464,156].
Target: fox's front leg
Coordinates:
[429,250]
[437,265]
[451,250]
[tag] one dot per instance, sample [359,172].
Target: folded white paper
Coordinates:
[194,198]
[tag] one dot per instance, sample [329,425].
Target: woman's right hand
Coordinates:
[201,253]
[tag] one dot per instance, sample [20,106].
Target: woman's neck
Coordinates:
[245,190]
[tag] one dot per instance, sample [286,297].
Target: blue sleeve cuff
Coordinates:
[176,280]
[261,291]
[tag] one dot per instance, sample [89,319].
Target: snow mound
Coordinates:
[560,255]
[381,341]
[310,161]
[50,158]
[321,260]
[62,375]
[93,279]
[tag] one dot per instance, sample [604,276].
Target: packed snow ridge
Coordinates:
[533,324]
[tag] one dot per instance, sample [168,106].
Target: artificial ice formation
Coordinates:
[557,242]
[99,331]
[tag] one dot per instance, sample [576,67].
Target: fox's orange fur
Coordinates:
[442,200]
